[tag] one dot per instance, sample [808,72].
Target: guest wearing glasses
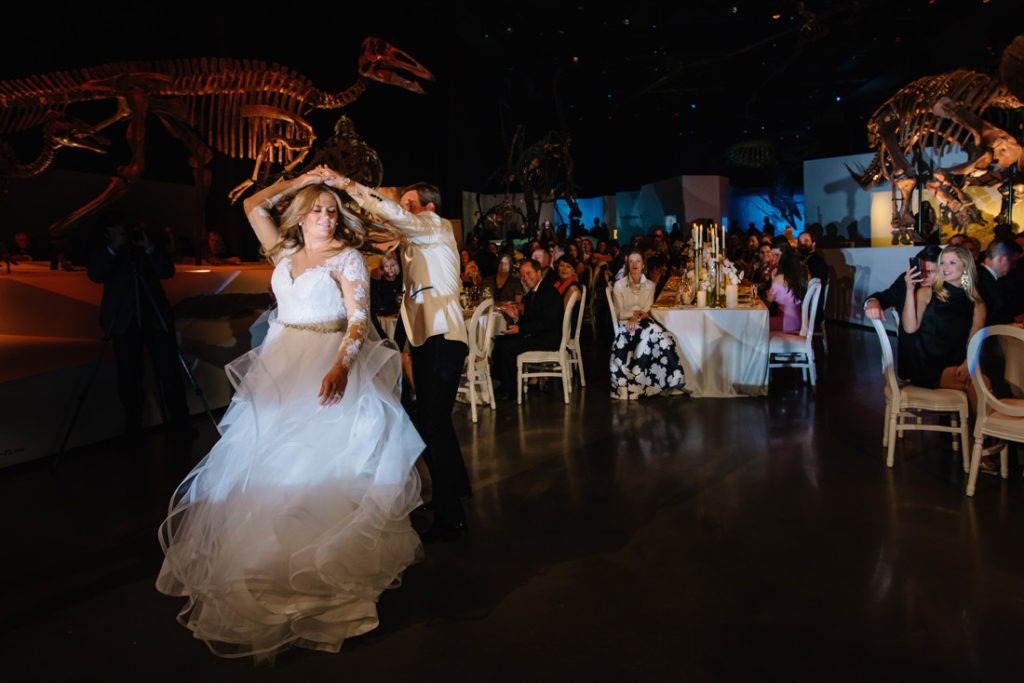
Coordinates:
[537,327]
[762,271]
[505,284]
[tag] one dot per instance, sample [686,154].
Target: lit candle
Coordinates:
[732,296]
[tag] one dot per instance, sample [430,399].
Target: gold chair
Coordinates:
[1001,418]
[554,363]
[905,406]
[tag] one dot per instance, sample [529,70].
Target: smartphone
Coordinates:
[916,263]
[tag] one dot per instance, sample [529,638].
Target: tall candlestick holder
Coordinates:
[717,299]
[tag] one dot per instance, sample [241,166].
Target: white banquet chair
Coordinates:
[820,332]
[554,363]
[476,376]
[905,406]
[573,347]
[616,323]
[796,350]
[1001,418]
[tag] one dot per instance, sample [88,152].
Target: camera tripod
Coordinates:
[141,296]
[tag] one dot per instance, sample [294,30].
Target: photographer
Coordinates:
[135,313]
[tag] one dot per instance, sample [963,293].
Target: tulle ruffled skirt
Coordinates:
[290,528]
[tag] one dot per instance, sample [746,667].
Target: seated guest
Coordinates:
[486,258]
[538,327]
[973,245]
[566,282]
[582,269]
[471,276]
[644,360]
[893,297]
[386,290]
[787,290]
[937,323]
[216,252]
[543,257]
[747,257]
[24,249]
[505,284]
[763,270]
[996,264]
[658,272]
[599,254]
[816,268]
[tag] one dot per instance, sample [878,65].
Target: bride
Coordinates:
[290,528]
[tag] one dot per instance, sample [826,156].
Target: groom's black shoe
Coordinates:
[443,533]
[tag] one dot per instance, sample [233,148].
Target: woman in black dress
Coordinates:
[937,323]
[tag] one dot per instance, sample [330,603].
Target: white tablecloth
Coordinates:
[724,350]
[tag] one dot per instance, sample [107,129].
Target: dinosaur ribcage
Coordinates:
[909,115]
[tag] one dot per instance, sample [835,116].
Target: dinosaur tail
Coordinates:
[869,177]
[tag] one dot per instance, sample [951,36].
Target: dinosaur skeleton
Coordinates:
[245,109]
[940,113]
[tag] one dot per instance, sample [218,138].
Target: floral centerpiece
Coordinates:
[729,271]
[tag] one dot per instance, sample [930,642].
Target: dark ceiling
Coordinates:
[645,90]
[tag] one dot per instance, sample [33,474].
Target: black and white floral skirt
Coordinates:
[645,362]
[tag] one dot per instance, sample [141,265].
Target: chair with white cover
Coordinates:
[905,406]
[998,417]
[796,349]
[476,375]
[555,363]
[573,346]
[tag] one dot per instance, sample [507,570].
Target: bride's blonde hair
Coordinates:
[350,230]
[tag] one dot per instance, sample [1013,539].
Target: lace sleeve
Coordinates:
[352,275]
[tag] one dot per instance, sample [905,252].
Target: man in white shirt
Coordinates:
[439,341]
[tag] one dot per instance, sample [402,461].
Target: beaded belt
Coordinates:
[325,327]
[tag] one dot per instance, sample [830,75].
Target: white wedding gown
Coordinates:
[290,528]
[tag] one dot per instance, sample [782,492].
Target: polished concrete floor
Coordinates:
[672,539]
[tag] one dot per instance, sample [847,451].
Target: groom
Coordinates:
[439,341]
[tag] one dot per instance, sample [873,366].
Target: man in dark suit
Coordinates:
[996,264]
[543,257]
[537,328]
[816,267]
[893,297]
[135,313]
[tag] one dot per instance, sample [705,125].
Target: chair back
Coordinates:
[987,401]
[888,367]
[581,308]
[616,325]
[567,317]
[575,349]
[481,334]
[809,307]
